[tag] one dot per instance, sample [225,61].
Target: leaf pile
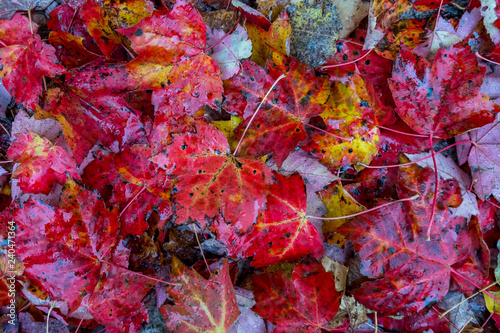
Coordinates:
[236,169]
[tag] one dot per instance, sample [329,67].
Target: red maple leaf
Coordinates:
[282,233]
[279,126]
[200,305]
[306,303]
[41,163]
[441,99]
[211,180]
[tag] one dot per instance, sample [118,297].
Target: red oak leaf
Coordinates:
[211,180]
[279,126]
[28,63]
[305,303]
[41,163]
[200,305]
[441,99]
[282,232]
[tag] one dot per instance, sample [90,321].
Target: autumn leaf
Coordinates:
[211,180]
[305,303]
[276,38]
[16,31]
[102,21]
[282,233]
[351,134]
[441,99]
[278,127]
[484,160]
[415,180]
[409,272]
[29,62]
[85,120]
[338,203]
[179,32]
[41,163]
[182,87]
[230,50]
[200,305]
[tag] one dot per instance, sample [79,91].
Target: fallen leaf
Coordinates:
[200,305]
[304,303]
[203,166]
[230,50]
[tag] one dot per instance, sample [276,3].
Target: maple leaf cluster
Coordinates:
[242,169]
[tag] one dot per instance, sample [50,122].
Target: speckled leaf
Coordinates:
[102,21]
[211,180]
[484,160]
[347,115]
[441,99]
[30,63]
[278,127]
[276,38]
[282,233]
[409,272]
[200,305]
[41,163]
[230,50]
[305,303]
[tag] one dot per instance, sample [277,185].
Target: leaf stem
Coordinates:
[81,321]
[487,320]
[322,130]
[201,250]
[255,113]
[466,299]
[363,212]
[3,162]
[419,160]
[228,33]
[436,187]
[31,22]
[486,59]
[348,63]
[136,273]
[473,283]
[130,202]
[403,133]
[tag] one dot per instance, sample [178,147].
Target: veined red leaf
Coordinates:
[282,232]
[278,127]
[177,33]
[441,98]
[28,63]
[305,303]
[409,272]
[211,180]
[41,163]
[200,305]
